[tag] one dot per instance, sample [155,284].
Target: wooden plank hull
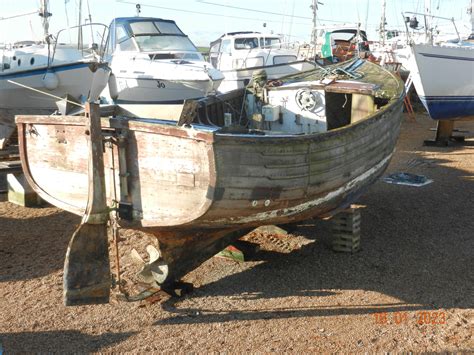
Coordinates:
[184,180]
[199,188]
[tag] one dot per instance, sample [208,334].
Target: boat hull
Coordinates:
[186,179]
[74,79]
[198,188]
[443,77]
[157,90]
[145,81]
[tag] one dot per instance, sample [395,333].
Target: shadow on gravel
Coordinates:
[58,341]
[416,243]
[34,247]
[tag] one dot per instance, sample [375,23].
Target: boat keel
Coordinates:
[185,251]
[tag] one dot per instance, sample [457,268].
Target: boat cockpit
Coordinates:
[160,39]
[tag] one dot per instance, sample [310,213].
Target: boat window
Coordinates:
[225,46]
[168,28]
[165,43]
[124,41]
[393,33]
[246,43]
[282,59]
[215,48]
[143,27]
[121,34]
[140,28]
[270,42]
[127,45]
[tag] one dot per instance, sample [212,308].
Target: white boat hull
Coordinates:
[141,80]
[74,79]
[150,90]
[443,76]
[239,78]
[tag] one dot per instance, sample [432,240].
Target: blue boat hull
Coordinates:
[448,107]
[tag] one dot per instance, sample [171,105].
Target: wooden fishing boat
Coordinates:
[303,147]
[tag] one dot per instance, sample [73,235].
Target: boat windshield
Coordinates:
[140,28]
[160,36]
[164,43]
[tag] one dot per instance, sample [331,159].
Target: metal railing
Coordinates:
[428,28]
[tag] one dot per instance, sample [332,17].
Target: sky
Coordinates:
[205,20]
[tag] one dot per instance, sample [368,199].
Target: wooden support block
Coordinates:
[20,192]
[346,243]
[444,135]
[346,230]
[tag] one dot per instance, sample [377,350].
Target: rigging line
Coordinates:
[252,10]
[20,15]
[45,93]
[263,12]
[219,15]
[199,12]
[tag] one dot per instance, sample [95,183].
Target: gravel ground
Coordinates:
[295,295]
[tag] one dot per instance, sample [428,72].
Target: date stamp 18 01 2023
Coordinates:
[420,317]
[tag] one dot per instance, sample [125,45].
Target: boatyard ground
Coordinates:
[409,288]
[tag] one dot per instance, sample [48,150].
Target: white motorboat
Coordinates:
[153,61]
[239,54]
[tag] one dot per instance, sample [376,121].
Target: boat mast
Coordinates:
[314,35]
[79,29]
[45,14]
[471,11]
[428,29]
[382,24]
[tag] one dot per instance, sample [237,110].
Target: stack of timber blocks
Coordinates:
[346,230]
[20,192]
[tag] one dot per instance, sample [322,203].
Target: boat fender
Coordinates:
[113,89]
[50,80]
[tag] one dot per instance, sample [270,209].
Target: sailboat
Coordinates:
[443,76]
[54,65]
